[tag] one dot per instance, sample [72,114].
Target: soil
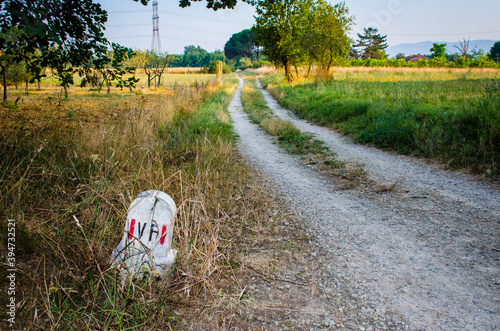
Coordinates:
[416,248]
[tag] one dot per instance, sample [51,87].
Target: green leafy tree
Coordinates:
[241,44]
[400,56]
[159,64]
[195,56]
[11,42]
[438,51]
[35,68]
[147,62]
[325,38]
[495,52]
[111,68]
[277,28]
[17,74]
[216,55]
[372,44]
[213,67]
[67,33]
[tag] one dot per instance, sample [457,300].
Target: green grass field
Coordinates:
[451,116]
[170,78]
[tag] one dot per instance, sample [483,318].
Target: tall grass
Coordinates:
[449,116]
[55,169]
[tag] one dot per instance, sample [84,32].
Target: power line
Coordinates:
[173,38]
[194,30]
[198,17]
[440,34]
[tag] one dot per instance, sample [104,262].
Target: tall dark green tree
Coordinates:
[372,44]
[495,52]
[241,44]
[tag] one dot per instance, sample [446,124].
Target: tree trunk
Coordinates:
[65,91]
[287,72]
[4,72]
[27,86]
[102,84]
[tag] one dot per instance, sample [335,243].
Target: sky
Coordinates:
[403,21]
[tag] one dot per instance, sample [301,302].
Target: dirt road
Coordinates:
[423,255]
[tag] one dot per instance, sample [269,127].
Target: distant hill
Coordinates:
[424,47]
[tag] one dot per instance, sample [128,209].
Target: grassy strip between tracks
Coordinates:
[294,141]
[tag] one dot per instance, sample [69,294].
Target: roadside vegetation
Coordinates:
[451,116]
[87,157]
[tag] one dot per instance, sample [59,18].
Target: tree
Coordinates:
[195,56]
[111,68]
[495,52]
[372,43]
[10,42]
[241,44]
[35,68]
[438,51]
[325,38]
[463,48]
[158,65]
[277,28]
[147,59]
[400,56]
[353,54]
[67,33]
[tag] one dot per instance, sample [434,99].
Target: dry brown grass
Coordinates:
[88,157]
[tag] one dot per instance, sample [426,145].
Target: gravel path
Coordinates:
[422,256]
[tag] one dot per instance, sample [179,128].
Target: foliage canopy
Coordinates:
[294,32]
[212,4]
[495,52]
[438,50]
[65,34]
[372,43]
[241,44]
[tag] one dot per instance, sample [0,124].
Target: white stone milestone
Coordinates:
[146,243]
